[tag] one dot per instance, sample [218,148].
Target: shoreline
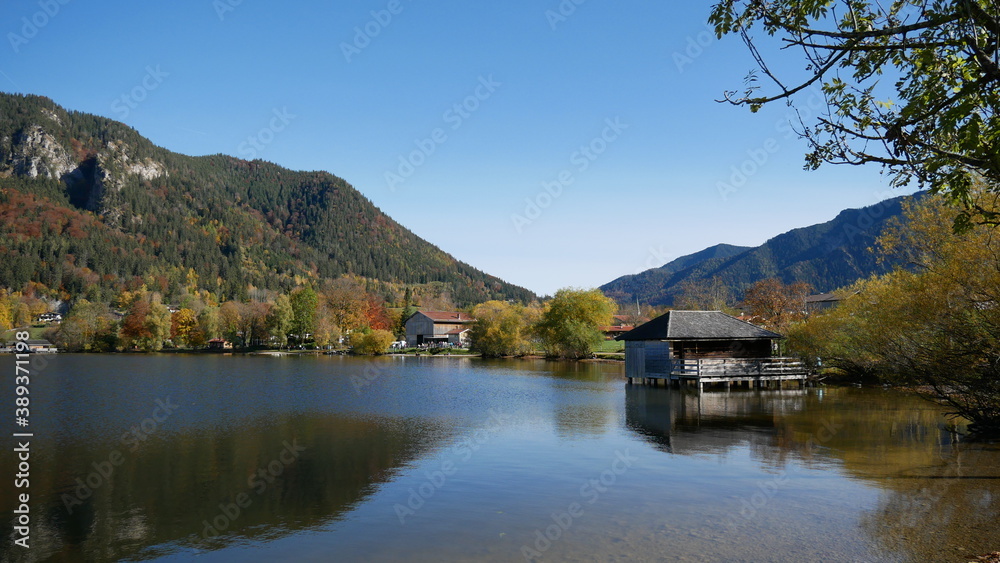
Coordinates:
[274,352]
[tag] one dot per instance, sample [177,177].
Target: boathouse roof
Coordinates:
[698,325]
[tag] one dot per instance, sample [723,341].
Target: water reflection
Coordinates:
[207,490]
[871,475]
[685,422]
[940,497]
[951,505]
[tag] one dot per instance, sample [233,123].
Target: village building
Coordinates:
[438,328]
[34,346]
[705,347]
[220,344]
[41,346]
[821,302]
[620,324]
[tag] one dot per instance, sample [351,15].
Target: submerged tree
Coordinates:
[912,85]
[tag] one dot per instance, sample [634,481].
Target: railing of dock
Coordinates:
[737,367]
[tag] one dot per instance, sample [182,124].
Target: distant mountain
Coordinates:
[719,251]
[827,256]
[88,206]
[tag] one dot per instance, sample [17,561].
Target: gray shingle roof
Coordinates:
[697,325]
[822,298]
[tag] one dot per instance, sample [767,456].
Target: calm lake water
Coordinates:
[446,459]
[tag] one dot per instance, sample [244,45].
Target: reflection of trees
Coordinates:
[573,418]
[165,491]
[938,497]
[597,372]
[951,507]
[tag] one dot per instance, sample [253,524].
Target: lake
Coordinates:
[255,458]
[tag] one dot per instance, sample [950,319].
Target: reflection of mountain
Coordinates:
[166,492]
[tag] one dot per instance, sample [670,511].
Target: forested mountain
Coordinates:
[87,206]
[827,256]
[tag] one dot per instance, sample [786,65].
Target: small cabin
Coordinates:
[706,346]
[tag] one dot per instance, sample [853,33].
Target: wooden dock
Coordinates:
[754,372]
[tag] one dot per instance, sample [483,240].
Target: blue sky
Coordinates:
[549,143]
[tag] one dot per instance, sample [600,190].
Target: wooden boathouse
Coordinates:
[706,347]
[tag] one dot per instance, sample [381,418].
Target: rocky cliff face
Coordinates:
[92,182]
[35,153]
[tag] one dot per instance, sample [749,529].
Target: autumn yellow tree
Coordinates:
[88,327]
[345,302]
[933,324]
[146,324]
[372,342]
[183,327]
[570,324]
[327,333]
[6,315]
[279,319]
[501,329]
[230,321]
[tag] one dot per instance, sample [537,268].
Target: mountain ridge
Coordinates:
[101,199]
[826,255]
